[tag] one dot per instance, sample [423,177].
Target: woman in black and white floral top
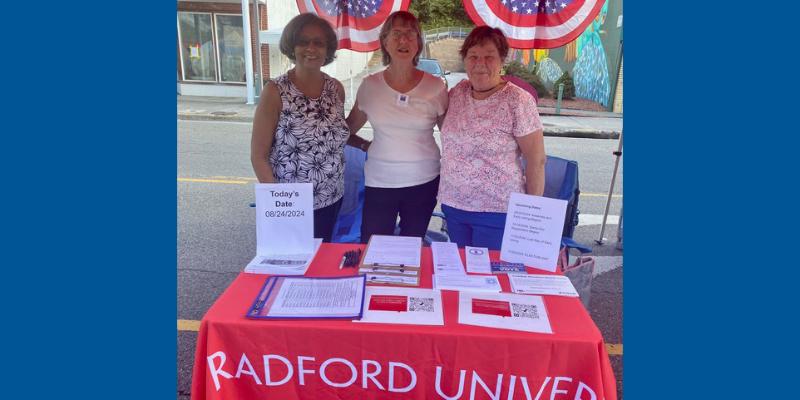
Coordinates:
[299,130]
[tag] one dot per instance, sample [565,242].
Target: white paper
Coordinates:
[446,260]
[532,235]
[528,313]
[478,260]
[424,307]
[467,283]
[299,297]
[284,219]
[393,251]
[283,264]
[558,285]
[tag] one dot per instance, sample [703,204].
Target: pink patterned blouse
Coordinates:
[480,156]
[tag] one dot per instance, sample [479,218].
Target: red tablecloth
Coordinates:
[239,358]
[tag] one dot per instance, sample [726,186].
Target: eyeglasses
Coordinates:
[308,42]
[409,35]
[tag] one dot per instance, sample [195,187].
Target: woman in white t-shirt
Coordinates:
[402,105]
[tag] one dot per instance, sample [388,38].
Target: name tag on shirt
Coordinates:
[402,100]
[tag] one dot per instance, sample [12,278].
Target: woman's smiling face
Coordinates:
[483,65]
[401,43]
[310,49]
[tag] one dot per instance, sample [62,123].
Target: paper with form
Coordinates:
[384,250]
[306,297]
[472,283]
[558,285]
[446,260]
[478,260]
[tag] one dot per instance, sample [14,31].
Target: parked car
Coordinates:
[432,66]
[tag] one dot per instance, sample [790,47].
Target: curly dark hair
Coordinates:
[295,26]
[483,34]
[409,19]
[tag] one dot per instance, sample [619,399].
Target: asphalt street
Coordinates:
[216,229]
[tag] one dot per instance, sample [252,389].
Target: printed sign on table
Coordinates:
[284,218]
[285,241]
[532,235]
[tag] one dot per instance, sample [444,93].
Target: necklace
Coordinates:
[487,90]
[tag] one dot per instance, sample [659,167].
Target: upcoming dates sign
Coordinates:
[532,235]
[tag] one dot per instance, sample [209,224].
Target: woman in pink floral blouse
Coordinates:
[490,123]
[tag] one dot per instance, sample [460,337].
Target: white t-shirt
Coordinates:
[403,152]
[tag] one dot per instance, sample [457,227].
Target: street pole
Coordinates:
[618,154]
[260,75]
[248,52]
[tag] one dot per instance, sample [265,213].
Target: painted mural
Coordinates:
[591,68]
[585,58]
[549,72]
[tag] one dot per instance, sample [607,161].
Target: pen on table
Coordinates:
[344,257]
[257,308]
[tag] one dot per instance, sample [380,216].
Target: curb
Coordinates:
[580,133]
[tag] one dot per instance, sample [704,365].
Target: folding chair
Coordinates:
[561,182]
[348,225]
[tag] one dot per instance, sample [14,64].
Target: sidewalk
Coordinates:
[570,123]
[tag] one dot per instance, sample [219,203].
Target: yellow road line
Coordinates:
[614,349]
[213,181]
[190,325]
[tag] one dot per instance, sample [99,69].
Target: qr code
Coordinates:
[420,304]
[524,310]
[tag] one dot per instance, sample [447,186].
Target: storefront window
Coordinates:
[231,48]
[197,47]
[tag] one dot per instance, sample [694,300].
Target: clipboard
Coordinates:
[387,269]
[265,301]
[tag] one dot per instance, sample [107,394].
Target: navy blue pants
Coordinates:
[477,229]
[414,205]
[325,219]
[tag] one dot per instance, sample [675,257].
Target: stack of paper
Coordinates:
[392,260]
[283,264]
[297,297]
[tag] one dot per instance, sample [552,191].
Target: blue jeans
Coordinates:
[471,228]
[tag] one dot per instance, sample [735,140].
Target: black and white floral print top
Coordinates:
[309,140]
